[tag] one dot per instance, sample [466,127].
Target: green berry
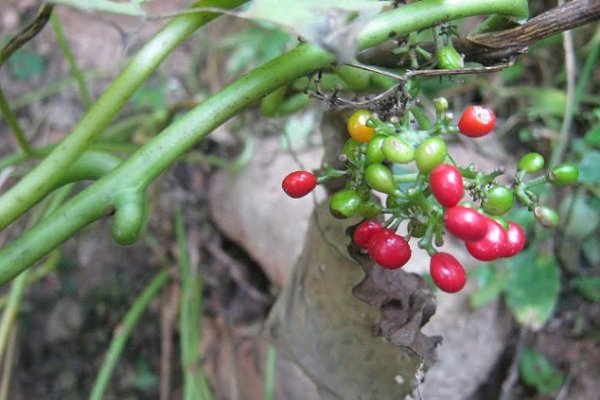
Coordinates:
[563,175]
[531,163]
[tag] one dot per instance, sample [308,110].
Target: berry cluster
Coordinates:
[431,202]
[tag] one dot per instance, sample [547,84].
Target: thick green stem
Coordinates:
[152,159]
[123,332]
[33,187]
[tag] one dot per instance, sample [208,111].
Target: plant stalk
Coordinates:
[137,172]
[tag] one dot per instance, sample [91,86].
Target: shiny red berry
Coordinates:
[492,245]
[515,240]
[465,223]
[477,121]
[389,250]
[299,184]
[447,273]
[446,184]
[364,232]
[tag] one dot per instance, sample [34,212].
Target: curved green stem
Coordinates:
[40,181]
[152,159]
[123,332]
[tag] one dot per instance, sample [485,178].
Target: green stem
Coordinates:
[190,313]
[43,178]
[406,178]
[9,316]
[152,159]
[123,331]
[13,123]
[270,371]
[75,70]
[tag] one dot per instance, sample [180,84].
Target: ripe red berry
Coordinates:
[477,121]
[465,223]
[492,245]
[447,272]
[446,184]
[364,232]
[299,184]
[389,250]
[515,240]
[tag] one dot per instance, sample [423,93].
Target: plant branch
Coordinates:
[28,33]
[495,47]
[35,185]
[137,172]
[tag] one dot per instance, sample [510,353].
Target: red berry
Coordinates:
[465,223]
[364,232]
[447,272]
[446,184]
[492,245]
[389,250]
[477,121]
[299,184]
[515,240]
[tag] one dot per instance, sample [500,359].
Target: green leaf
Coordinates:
[132,8]
[583,218]
[25,64]
[589,287]
[152,97]
[538,372]
[533,287]
[491,282]
[331,24]
[591,250]
[297,131]
[589,168]
[592,136]
[512,73]
[254,46]
[145,379]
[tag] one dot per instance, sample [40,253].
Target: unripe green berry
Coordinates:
[448,58]
[344,204]
[546,216]
[380,178]
[441,104]
[563,175]
[499,199]
[531,163]
[396,150]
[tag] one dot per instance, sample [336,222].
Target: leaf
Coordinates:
[589,287]
[253,46]
[583,218]
[538,372]
[591,250]
[589,168]
[25,64]
[592,136]
[132,8]
[297,131]
[331,24]
[152,97]
[533,287]
[492,281]
[329,333]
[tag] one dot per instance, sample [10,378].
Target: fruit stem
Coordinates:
[535,182]
[405,178]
